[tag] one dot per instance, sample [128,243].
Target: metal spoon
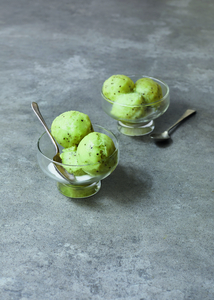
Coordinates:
[69,177]
[165,135]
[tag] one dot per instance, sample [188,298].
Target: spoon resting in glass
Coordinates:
[165,135]
[57,159]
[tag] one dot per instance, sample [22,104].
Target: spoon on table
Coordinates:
[69,177]
[165,135]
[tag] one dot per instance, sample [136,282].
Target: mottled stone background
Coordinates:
[148,234]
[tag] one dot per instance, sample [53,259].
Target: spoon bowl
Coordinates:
[160,136]
[165,135]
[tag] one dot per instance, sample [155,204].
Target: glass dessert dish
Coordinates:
[87,181]
[137,119]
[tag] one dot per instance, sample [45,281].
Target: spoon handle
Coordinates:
[187,113]
[36,110]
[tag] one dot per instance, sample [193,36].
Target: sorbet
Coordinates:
[128,106]
[69,157]
[95,151]
[116,85]
[150,89]
[70,127]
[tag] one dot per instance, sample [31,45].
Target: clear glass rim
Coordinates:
[79,166]
[141,105]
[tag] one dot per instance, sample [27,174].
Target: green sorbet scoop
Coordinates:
[116,85]
[150,89]
[69,157]
[128,106]
[70,127]
[96,152]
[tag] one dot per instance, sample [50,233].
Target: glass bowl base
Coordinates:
[135,129]
[77,191]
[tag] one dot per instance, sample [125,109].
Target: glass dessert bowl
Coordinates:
[87,178]
[136,119]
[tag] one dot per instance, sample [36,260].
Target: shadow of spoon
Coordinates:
[57,159]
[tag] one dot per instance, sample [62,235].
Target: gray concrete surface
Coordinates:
[148,234]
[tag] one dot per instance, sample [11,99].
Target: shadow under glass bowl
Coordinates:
[141,119]
[87,181]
